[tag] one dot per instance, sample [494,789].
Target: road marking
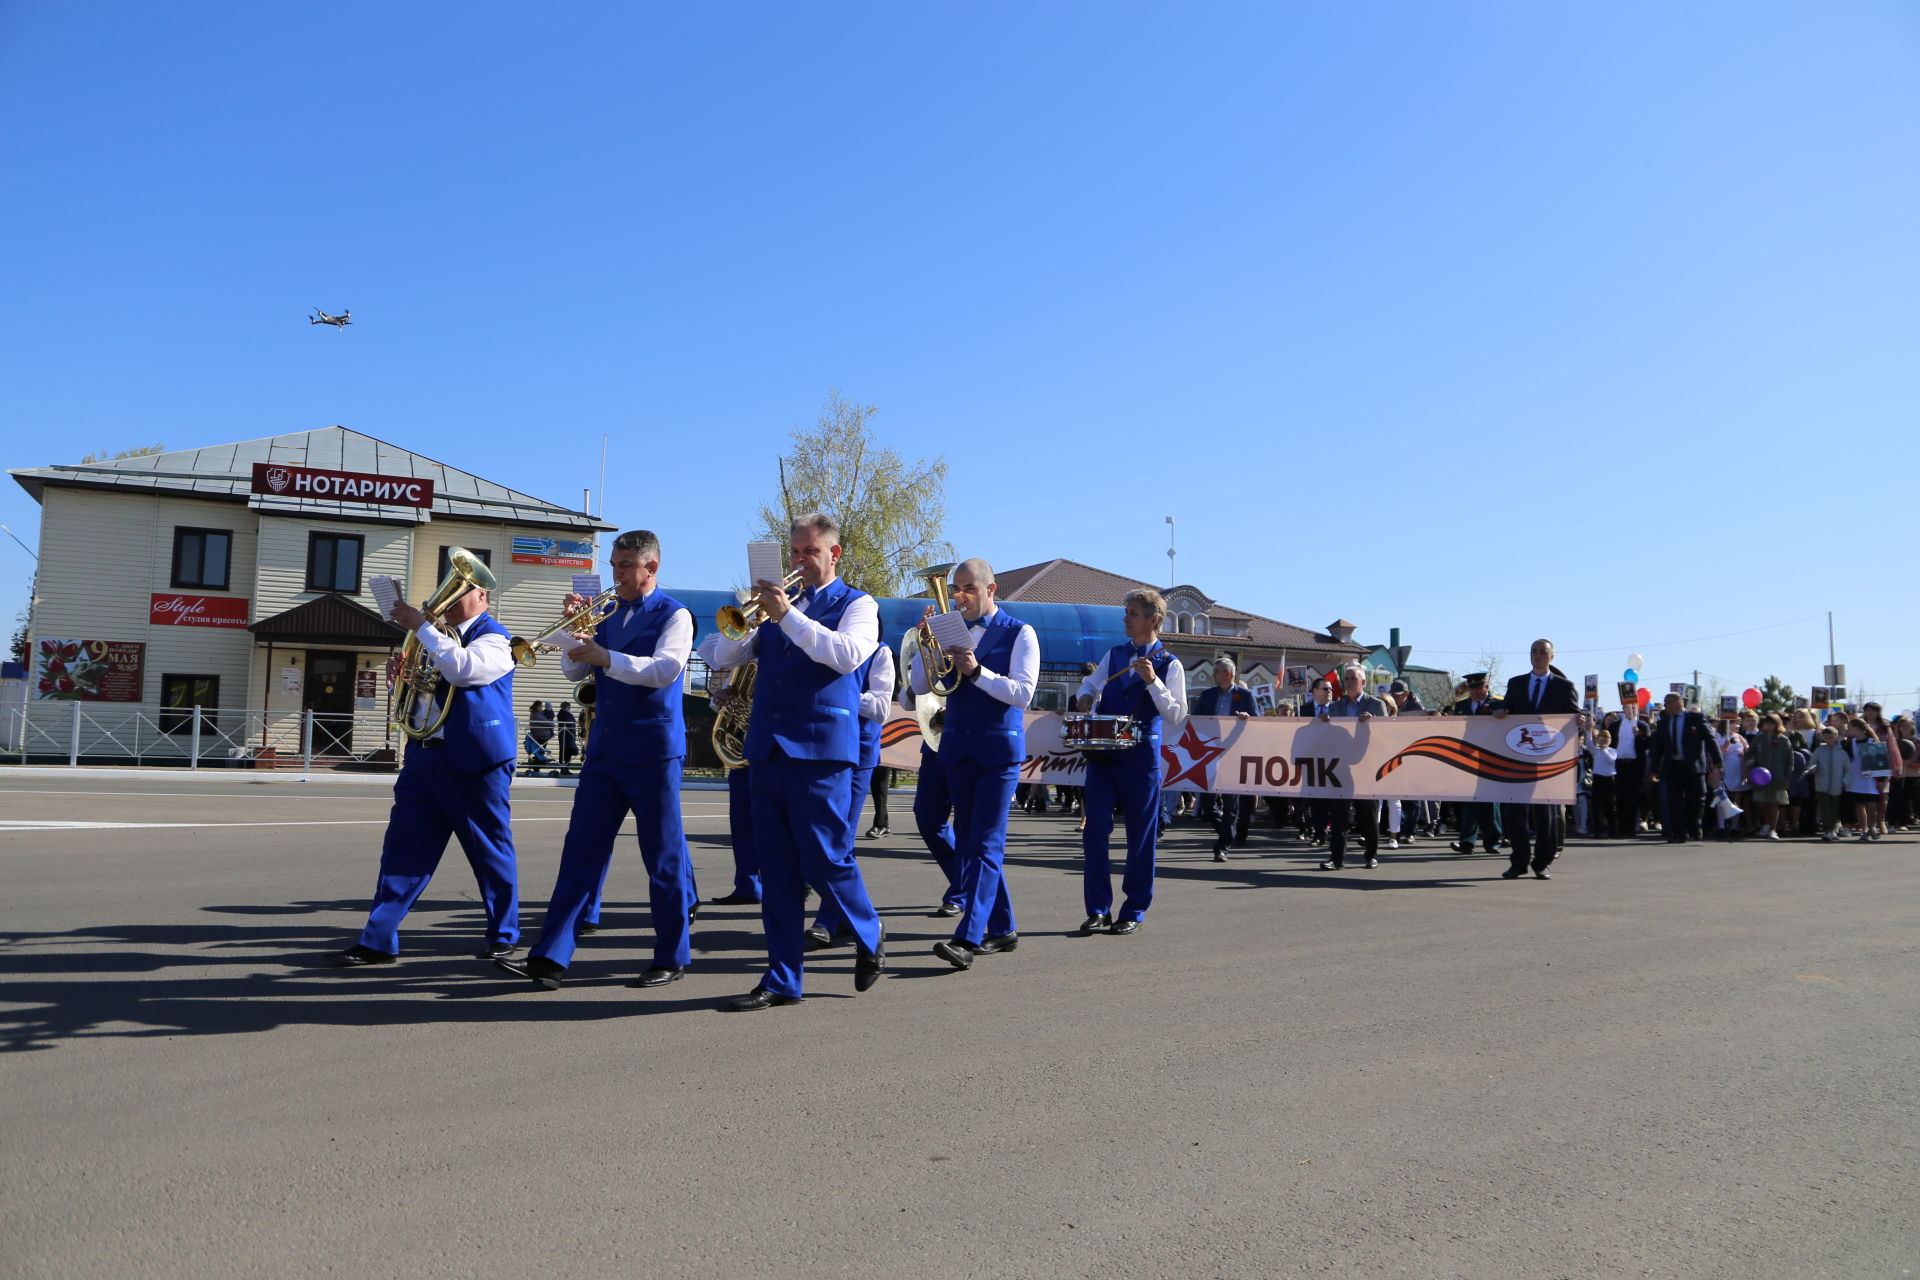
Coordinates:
[29,824]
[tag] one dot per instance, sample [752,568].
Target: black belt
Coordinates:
[431,744]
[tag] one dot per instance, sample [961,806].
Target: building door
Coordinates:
[328,693]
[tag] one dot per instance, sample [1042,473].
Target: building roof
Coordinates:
[225,471]
[1070,582]
[326,620]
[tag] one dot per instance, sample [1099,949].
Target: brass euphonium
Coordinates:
[732,711]
[736,620]
[418,678]
[942,676]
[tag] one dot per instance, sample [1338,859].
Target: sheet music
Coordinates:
[386,593]
[950,630]
[764,563]
[586,584]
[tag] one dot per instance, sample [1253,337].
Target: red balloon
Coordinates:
[1750,699]
[1646,696]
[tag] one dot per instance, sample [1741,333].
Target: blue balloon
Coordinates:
[1630,675]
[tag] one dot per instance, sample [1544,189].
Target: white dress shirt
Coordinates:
[653,671]
[464,667]
[843,648]
[876,701]
[1169,695]
[1013,686]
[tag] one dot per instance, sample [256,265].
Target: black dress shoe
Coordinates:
[538,970]
[1121,928]
[586,928]
[954,952]
[949,910]
[693,913]
[1095,924]
[1511,874]
[759,998]
[869,965]
[495,951]
[1219,853]
[658,977]
[818,939]
[736,900]
[994,945]
[356,955]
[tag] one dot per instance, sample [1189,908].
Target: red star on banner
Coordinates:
[1200,753]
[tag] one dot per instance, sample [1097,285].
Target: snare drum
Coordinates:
[1088,732]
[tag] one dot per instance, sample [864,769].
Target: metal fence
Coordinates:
[75,733]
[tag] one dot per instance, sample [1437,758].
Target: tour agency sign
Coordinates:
[1516,760]
[283,481]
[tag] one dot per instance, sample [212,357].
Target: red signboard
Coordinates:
[283,481]
[89,670]
[171,609]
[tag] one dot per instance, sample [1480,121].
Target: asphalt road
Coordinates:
[1693,1064]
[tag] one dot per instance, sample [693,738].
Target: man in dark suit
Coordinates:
[1477,818]
[1536,830]
[1682,757]
[1232,815]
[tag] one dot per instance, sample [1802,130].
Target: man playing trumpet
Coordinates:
[636,657]
[982,745]
[803,741]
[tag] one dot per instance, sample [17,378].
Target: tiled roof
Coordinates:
[226,471]
[1070,582]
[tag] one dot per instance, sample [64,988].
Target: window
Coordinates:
[1200,624]
[484,556]
[1049,699]
[333,562]
[179,695]
[200,557]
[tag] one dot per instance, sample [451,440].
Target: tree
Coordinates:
[18,645]
[891,514]
[102,455]
[1775,696]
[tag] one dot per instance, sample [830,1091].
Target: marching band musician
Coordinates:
[1141,678]
[746,863]
[636,656]
[932,814]
[803,740]
[982,745]
[829,927]
[455,782]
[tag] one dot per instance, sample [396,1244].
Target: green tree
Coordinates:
[891,513]
[17,647]
[1775,696]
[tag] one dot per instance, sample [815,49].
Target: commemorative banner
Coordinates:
[1516,760]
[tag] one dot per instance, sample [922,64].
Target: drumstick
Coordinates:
[1124,670]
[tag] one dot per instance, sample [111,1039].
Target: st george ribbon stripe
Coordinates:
[1477,761]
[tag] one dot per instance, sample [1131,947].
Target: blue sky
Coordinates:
[1485,321]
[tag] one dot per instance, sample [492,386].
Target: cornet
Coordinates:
[587,617]
[736,621]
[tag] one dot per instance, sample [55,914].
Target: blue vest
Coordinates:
[870,729]
[1128,696]
[806,708]
[979,726]
[480,729]
[635,724]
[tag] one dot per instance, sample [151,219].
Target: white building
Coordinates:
[235,578]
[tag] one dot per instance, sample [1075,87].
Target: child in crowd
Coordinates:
[1831,765]
[1864,779]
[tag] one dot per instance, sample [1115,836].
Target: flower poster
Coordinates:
[89,670]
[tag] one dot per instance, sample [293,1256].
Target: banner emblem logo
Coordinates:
[1533,740]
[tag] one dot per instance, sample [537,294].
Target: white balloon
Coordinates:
[1637,661]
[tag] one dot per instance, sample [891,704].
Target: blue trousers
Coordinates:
[831,917]
[1139,794]
[801,830]
[981,796]
[431,801]
[932,804]
[746,859]
[607,793]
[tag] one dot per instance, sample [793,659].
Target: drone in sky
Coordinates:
[340,321]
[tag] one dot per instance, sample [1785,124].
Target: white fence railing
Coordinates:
[74,733]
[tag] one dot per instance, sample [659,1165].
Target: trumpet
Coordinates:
[588,616]
[737,620]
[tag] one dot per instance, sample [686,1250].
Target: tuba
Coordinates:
[418,678]
[733,708]
[930,708]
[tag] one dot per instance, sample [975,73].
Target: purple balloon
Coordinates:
[1761,776]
